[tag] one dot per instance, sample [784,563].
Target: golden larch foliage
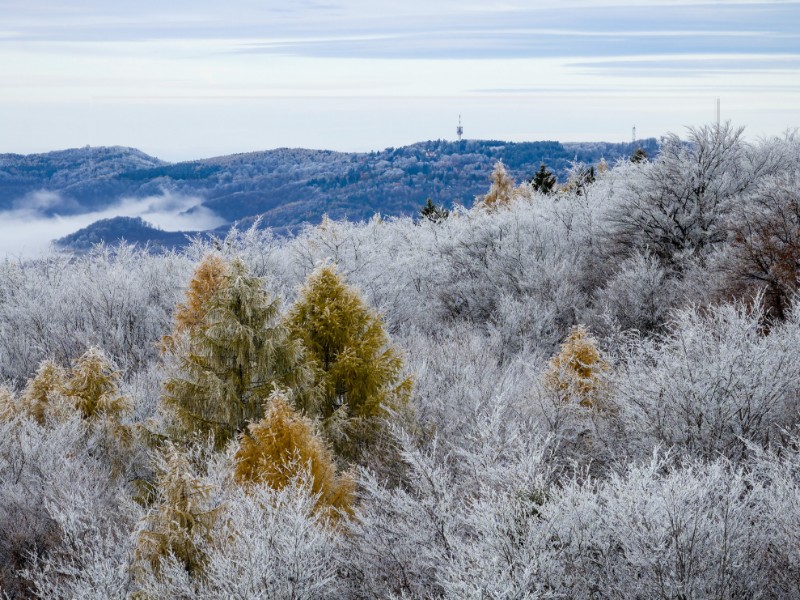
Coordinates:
[207,279]
[45,388]
[358,374]
[282,448]
[92,386]
[8,405]
[501,192]
[576,371]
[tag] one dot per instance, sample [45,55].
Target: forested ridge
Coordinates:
[580,390]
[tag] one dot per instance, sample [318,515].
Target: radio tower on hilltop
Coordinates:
[459,129]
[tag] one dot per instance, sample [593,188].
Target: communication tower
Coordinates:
[459,129]
[633,135]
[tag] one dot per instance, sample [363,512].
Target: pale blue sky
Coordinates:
[184,79]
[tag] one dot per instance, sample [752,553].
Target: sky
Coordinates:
[190,79]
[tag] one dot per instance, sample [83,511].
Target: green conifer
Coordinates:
[235,355]
[543,181]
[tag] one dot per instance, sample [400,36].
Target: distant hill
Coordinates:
[133,230]
[287,187]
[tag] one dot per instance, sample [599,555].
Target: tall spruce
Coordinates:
[543,180]
[236,352]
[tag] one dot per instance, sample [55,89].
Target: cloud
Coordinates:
[27,232]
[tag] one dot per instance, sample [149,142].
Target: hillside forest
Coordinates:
[587,390]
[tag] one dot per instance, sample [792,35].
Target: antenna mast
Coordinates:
[459,129]
[717,113]
[633,134]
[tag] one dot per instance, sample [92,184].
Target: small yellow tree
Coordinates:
[208,277]
[8,405]
[43,389]
[576,371]
[182,517]
[282,448]
[358,374]
[92,386]
[501,192]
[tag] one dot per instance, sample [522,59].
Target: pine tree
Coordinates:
[282,448]
[357,372]
[235,355]
[575,372]
[182,516]
[434,213]
[639,156]
[543,181]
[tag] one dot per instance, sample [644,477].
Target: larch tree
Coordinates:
[576,371]
[501,192]
[92,386]
[42,389]
[238,351]
[283,448]
[358,374]
[182,517]
[190,314]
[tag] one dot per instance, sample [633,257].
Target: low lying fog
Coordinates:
[26,231]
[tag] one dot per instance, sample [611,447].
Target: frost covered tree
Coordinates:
[358,374]
[181,516]
[677,206]
[234,356]
[764,253]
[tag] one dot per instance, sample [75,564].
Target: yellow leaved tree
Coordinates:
[182,516]
[283,448]
[577,370]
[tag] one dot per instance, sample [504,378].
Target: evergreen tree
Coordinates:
[236,353]
[357,372]
[639,156]
[434,213]
[543,181]
[282,448]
